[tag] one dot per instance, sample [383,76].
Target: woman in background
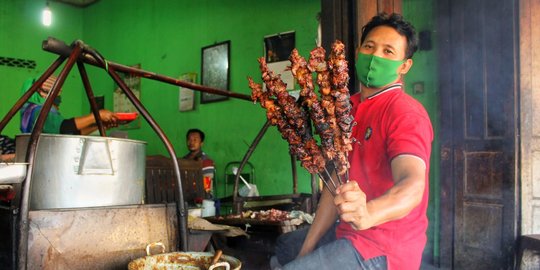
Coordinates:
[55,122]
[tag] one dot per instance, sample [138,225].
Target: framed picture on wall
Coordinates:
[215,70]
[277,49]
[186,97]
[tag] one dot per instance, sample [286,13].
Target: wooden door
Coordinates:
[530,115]
[478,71]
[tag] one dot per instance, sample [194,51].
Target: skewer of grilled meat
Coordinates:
[305,152]
[276,87]
[331,115]
[294,115]
[301,72]
[339,79]
[318,64]
[275,115]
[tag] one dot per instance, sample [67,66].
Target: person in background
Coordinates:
[7,154]
[381,212]
[55,122]
[195,142]
[7,149]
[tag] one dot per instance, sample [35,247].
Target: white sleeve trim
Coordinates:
[409,155]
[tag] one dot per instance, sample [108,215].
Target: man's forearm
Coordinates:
[325,217]
[88,130]
[404,196]
[397,202]
[85,121]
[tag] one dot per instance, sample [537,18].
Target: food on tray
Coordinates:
[262,215]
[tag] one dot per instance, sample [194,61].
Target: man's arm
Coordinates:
[325,217]
[7,157]
[87,124]
[409,174]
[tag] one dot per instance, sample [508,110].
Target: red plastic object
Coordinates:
[126,116]
[7,193]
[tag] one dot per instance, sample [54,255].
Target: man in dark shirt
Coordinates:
[195,141]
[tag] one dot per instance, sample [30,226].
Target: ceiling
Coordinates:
[77,3]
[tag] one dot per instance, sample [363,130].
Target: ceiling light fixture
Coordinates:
[46,15]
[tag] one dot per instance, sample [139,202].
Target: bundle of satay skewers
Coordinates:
[329,113]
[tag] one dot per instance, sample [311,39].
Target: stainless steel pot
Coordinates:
[85,171]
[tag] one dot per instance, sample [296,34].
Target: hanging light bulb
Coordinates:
[47,15]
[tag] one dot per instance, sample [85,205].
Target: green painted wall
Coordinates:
[421,13]
[167,36]
[21,34]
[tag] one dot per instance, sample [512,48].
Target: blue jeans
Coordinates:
[329,253]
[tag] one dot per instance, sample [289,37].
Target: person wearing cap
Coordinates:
[55,122]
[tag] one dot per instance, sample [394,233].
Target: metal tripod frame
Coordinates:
[80,53]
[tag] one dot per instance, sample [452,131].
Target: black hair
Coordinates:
[195,130]
[397,22]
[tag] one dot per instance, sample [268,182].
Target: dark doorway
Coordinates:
[478,71]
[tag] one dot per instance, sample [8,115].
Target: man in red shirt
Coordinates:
[381,211]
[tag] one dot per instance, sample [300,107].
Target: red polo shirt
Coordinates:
[388,124]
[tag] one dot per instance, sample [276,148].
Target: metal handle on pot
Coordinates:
[219,264]
[96,158]
[159,244]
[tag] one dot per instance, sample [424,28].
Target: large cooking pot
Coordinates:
[184,261]
[84,171]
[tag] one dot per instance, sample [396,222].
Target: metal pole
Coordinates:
[89,57]
[294,174]
[314,192]
[182,217]
[31,91]
[31,154]
[244,161]
[91,98]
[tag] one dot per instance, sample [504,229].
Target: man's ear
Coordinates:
[405,67]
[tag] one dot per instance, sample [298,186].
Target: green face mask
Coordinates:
[376,72]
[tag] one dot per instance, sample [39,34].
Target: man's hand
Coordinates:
[351,204]
[108,116]
[408,173]
[87,124]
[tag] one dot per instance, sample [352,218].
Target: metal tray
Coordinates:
[241,221]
